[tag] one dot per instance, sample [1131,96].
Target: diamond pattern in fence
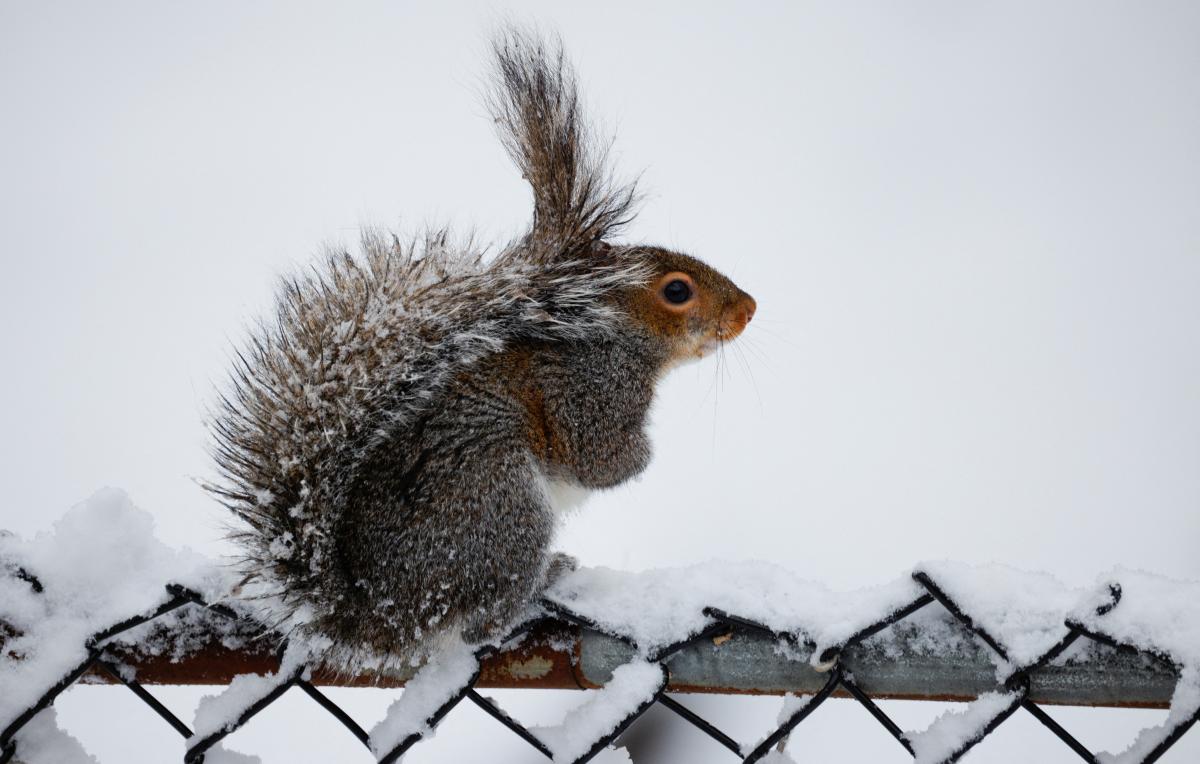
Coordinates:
[731,653]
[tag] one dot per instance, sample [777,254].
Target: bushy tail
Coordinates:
[363,346]
[576,201]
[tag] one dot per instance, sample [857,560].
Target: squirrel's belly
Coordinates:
[563,496]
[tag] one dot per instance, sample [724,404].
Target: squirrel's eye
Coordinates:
[677,292]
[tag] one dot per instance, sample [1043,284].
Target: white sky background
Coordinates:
[973,231]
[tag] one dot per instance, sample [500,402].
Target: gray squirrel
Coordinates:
[399,440]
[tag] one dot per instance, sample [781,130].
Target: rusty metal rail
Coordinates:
[558,656]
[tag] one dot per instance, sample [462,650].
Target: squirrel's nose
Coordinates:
[748,308]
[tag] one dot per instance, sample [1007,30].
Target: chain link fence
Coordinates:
[732,654]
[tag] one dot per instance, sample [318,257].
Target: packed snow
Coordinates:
[612,755]
[1185,705]
[792,704]
[631,686]
[43,742]
[1024,612]
[1154,613]
[632,605]
[434,685]
[218,754]
[99,565]
[955,729]
[221,711]
[1159,615]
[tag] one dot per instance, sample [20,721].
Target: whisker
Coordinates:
[711,386]
[749,345]
[777,335]
[741,354]
[719,374]
[724,366]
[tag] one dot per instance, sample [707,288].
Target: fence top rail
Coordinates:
[735,660]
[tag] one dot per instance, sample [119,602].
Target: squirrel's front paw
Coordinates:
[560,565]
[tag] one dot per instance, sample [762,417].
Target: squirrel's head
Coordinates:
[686,305]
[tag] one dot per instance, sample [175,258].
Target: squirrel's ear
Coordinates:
[536,105]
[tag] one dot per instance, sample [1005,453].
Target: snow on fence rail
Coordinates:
[1005,640]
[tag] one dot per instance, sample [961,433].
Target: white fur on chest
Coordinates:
[563,496]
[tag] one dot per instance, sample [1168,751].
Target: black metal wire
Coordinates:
[884,720]
[785,729]
[336,711]
[147,698]
[700,723]
[747,624]
[988,729]
[562,612]
[195,751]
[721,622]
[493,709]
[1172,737]
[623,725]
[1049,723]
[1061,647]
[6,736]
[1117,644]
[33,581]
[924,580]
[830,653]
[137,620]
[708,632]
[400,749]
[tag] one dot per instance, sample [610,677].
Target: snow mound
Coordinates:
[218,754]
[220,712]
[1024,612]
[792,704]
[1158,615]
[43,742]
[100,565]
[632,605]
[955,730]
[632,686]
[446,674]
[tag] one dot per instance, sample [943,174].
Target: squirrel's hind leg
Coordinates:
[504,526]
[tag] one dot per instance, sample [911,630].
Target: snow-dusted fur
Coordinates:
[366,344]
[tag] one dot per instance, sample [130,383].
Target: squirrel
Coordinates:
[399,441]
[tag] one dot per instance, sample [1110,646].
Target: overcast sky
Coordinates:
[973,231]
